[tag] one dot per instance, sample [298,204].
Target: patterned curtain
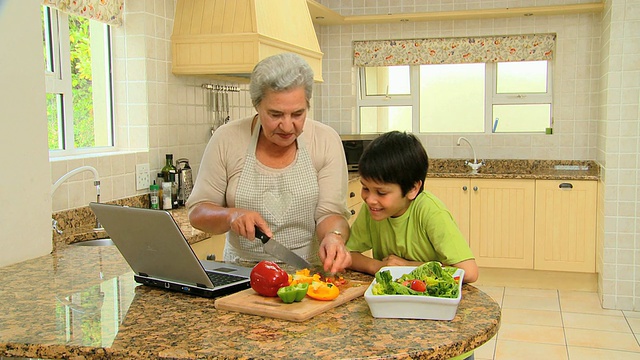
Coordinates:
[454,50]
[105,11]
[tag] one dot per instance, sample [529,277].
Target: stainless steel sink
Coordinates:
[96,242]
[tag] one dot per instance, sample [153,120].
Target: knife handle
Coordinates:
[262,236]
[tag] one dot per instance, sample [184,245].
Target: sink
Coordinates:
[96,242]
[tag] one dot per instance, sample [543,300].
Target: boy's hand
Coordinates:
[393,260]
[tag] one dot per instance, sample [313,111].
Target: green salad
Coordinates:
[428,279]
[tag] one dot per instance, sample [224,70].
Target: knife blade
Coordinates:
[280,252]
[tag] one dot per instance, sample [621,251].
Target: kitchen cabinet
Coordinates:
[565,229]
[354,200]
[454,193]
[213,245]
[496,215]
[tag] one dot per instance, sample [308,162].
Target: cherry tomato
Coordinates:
[418,285]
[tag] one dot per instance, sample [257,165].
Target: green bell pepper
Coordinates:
[292,293]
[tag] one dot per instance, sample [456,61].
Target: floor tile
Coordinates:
[596,322]
[509,350]
[531,292]
[583,302]
[486,351]
[531,333]
[601,339]
[634,323]
[496,292]
[531,317]
[530,302]
[579,353]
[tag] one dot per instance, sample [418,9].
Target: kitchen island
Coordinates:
[81,302]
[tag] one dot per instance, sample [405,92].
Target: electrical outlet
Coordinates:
[143,179]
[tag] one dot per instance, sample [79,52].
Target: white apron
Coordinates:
[286,198]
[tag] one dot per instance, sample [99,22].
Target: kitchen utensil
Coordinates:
[185,178]
[250,302]
[277,250]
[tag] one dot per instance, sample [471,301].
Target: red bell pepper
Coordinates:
[267,277]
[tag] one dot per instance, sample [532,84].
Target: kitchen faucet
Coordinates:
[475,165]
[96,183]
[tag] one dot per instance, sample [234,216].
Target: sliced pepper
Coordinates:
[303,276]
[292,293]
[321,290]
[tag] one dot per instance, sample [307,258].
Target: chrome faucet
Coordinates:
[475,165]
[96,183]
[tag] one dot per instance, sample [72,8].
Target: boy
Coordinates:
[402,224]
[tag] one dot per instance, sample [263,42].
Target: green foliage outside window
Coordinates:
[79,38]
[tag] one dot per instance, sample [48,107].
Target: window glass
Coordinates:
[452,98]
[79,101]
[387,80]
[521,118]
[385,118]
[54,121]
[521,77]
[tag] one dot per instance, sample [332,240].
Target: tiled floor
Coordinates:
[552,315]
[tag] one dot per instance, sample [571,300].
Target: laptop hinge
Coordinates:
[200,285]
[143,274]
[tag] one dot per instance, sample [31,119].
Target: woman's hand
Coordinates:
[243,222]
[333,253]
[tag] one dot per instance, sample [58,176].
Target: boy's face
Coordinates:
[385,199]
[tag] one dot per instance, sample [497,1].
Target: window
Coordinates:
[78,83]
[453,98]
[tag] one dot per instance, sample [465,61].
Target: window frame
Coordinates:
[491,98]
[59,81]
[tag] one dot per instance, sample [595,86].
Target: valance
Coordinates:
[454,50]
[105,11]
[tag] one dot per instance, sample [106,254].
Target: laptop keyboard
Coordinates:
[219,279]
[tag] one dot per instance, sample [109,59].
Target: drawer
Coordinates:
[353,193]
[354,210]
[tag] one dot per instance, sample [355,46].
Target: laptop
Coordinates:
[159,254]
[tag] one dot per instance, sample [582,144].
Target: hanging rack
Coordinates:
[218,102]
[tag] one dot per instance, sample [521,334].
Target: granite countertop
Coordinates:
[81,302]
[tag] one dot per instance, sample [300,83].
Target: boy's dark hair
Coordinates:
[395,157]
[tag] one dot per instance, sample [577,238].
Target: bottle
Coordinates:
[153,195]
[158,182]
[166,195]
[169,174]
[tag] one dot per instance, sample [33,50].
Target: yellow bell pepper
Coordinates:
[320,290]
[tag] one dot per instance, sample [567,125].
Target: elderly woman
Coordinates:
[276,170]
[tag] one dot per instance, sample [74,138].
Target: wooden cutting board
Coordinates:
[249,302]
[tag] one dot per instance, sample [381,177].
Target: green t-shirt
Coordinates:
[425,232]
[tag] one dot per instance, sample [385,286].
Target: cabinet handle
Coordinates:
[464,188]
[352,194]
[475,188]
[353,212]
[565,186]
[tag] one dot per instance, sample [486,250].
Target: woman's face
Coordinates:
[282,115]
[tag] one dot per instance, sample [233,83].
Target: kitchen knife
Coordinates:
[277,250]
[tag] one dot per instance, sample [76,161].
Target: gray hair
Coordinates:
[280,72]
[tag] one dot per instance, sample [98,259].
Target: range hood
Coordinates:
[225,39]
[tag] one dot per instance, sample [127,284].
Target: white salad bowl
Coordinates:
[412,306]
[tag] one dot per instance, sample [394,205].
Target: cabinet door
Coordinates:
[213,245]
[454,193]
[502,222]
[565,225]
[354,199]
